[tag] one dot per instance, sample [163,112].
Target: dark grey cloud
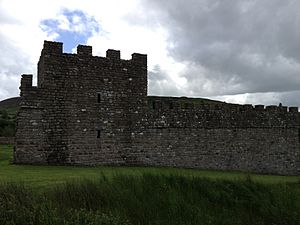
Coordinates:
[160,83]
[231,46]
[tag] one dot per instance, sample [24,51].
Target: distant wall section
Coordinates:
[218,137]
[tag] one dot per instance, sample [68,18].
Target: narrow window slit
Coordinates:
[98,133]
[98,97]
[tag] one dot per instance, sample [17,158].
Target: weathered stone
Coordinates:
[89,110]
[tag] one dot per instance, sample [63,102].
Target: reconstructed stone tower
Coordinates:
[89,110]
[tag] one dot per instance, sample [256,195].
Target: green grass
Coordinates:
[54,195]
[152,199]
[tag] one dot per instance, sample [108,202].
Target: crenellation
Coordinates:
[52,48]
[259,107]
[113,54]
[84,50]
[91,110]
[272,108]
[140,59]
[293,109]
[26,84]
[247,107]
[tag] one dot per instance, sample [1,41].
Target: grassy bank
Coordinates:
[51,195]
[152,199]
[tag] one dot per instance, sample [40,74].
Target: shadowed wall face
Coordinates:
[80,112]
[89,110]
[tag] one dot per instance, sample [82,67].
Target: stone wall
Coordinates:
[218,137]
[89,110]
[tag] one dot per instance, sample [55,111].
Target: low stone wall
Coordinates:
[7,140]
[258,150]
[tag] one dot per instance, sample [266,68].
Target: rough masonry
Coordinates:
[90,110]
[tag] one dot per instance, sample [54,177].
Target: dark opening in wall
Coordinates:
[98,133]
[98,97]
[153,105]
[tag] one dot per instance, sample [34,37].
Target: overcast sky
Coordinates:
[244,51]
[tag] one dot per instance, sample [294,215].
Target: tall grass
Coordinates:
[152,199]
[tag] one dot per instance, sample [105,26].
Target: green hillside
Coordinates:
[184,100]
[8,110]
[11,104]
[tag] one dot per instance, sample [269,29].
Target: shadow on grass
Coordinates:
[152,199]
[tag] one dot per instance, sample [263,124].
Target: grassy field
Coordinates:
[55,195]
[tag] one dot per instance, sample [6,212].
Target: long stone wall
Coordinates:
[89,110]
[257,150]
[218,137]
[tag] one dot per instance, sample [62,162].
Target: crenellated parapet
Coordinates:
[173,112]
[56,49]
[174,103]
[56,67]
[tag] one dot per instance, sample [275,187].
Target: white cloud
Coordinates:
[289,98]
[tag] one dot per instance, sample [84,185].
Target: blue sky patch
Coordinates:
[71,28]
